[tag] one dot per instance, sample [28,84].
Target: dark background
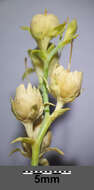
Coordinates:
[73,132]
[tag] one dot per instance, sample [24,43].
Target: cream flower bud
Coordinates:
[65,85]
[41,26]
[27,104]
[71,29]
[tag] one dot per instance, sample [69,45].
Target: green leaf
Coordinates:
[71,29]
[41,54]
[37,54]
[27,72]
[52,46]
[58,113]
[29,51]
[36,62]
[60,46]
[51,149]
[49,103]
[65,42]
[19,150]
[25,28]
[27,140]
[55,149]
[58,30]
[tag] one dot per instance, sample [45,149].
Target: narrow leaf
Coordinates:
[51,149]
[29,51]
[49,103]
[58,30]
[27,72]
[60,46]
[18,150]
[57,113]
[41,54]
[25,28]
[65,42]
[56,150]
[23,139]
[52,46]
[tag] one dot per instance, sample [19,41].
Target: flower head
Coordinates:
[27,104]
[65,85]
[41,27]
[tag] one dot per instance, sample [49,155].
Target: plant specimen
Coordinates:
[31,105]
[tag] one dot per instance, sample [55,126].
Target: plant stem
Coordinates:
[35,154]
[45,91]
[43,129]
[47,118]
[55,50]
[36,146]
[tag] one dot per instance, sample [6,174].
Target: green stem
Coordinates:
[35,154]
[55,50]
[45,125]
[47,118]
[44,90]
[60,46]
[36,146]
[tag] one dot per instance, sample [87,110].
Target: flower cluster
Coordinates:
[31,105]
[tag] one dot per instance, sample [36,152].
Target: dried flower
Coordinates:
[65,85]
[27,104]
[41,27]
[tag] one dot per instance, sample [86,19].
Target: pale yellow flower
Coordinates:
[27,104]
[65,85]
[41,27]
